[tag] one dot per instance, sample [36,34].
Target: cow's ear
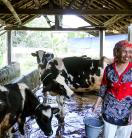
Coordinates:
[34,54]
[55,110]
[52,55]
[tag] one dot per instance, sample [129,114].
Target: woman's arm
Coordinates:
[102,91]
[97,103]
[130,118]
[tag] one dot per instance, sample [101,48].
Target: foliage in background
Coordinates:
[2,49]
[57,41]
[45,39]
[78,35]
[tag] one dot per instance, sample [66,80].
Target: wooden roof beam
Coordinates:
[1,33]
[12,10]
[37,3]
[70,12]
[83,3]
[130,1]
[86,29]
[61,3]
[90,3]
[2,22]
[71,3]
[47,20]
[113,20]
[95,20]
[121,3]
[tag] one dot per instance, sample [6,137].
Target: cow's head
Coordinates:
[42,59]
[53,80]
[44,114]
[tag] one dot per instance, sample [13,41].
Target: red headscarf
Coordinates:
[130,45]
[123,43]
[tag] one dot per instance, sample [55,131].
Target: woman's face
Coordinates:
[125,55]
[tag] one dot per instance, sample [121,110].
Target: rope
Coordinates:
[46,76]
[37,106]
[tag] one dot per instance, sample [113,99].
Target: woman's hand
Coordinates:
[97,103]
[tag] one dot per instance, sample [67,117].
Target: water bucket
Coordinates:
[93,127]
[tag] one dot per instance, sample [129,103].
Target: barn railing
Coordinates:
[11,74]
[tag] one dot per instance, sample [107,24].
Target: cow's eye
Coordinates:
[62,87]
[47,55]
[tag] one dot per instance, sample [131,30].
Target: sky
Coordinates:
[73,21]
[69,21]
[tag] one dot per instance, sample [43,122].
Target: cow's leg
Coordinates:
[10,134]
[45,94]
[60,115]
[45,101]
[60,131]
[21,122]
[5,125]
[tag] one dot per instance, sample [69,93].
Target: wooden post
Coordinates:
[57,22]
[9,47]
[102,38]
[130,33]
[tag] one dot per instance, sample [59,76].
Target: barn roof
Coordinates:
[113,15]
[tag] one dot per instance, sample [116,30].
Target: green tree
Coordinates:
[78,34]
[18,37]
[2,49]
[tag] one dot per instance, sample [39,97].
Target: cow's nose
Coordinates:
[50,133]
[73,95]
[41,66]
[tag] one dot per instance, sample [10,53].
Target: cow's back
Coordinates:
[14,98]
[76,65]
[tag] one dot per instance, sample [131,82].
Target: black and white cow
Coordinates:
[42,59]
[18,102]
[78,72]
[62,76]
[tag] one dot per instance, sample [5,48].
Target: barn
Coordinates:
[105,18]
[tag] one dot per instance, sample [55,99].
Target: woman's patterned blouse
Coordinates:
[116,91]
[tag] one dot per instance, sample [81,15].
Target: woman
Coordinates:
[116,93]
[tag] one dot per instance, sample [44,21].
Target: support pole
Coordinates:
[57,22]
[130,33]
[9,47]
[102,38]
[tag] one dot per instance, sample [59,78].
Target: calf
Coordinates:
[18,102]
